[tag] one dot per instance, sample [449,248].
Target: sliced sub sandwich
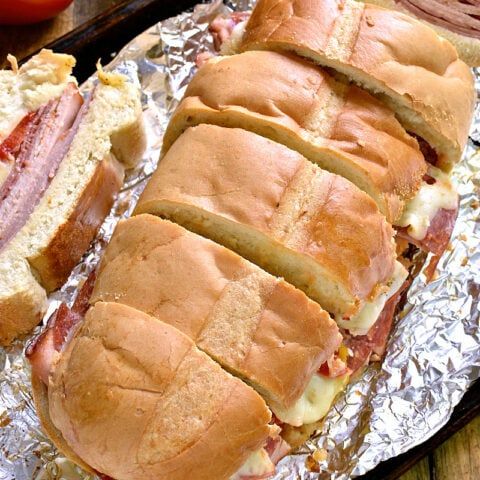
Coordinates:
[256,326]
[341,128]
[130,397]
[399,59]
[64,157]
[268,203]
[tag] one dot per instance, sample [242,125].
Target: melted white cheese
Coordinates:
[315,402]
[361,323]
[421,209]
[257,464]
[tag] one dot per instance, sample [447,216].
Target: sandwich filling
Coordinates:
[363,321]
[429,217]
[31,155]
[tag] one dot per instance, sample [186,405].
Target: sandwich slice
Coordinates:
[430,89]
[129,396]
[65,162]
[455,20]
[341,128]
[269,204]
[256,326]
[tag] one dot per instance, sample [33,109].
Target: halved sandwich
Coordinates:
[128,396]
[257,326]
[268,203]
[339,127]
[402,61]
[63,157]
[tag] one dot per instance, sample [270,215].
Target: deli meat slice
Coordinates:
[42,351]
[438,234]
[44,141]
[374,342]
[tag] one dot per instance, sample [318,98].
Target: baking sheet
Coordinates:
[433,355]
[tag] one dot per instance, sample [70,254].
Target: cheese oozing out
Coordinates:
[315,402]
[422,208]
[361,323]
[257,465]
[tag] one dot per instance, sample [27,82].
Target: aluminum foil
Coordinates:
[434,352]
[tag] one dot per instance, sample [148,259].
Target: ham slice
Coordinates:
[45,137]
[438,234]
[44,349]
[374,342]
[222,27]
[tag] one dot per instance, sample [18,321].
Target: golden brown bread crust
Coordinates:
[21,312]
[342,128]
[255,325]
[40,399]
[388,52]
[468,48]
[134,398]
[238,178]
[54,263]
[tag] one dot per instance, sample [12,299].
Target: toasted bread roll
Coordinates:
[341,128]
[399,59]
[316,229]
[132,397]
[74,205]
[449,18]
[257,326]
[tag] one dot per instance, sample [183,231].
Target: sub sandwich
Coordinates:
[256,326]
[430,89]
[311,227]
[340,127]
[265,260]
[62,161]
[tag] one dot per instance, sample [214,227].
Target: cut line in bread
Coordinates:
[173,411]
[430,89]
[341,128]
[268,203]
[256,326]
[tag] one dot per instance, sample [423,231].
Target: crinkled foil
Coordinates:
[433,354]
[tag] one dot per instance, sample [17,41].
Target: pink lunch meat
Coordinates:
[46,139]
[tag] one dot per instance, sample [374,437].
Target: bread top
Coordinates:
[386,51]
[248,179]
[254,324]
[354,134]
[134,398]
[25,89]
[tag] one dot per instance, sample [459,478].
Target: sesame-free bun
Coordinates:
[257,326]
[468,47]
[291,101]
[268,203]
[133,398]
[401,60]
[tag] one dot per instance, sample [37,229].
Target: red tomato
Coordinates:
[17,12]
